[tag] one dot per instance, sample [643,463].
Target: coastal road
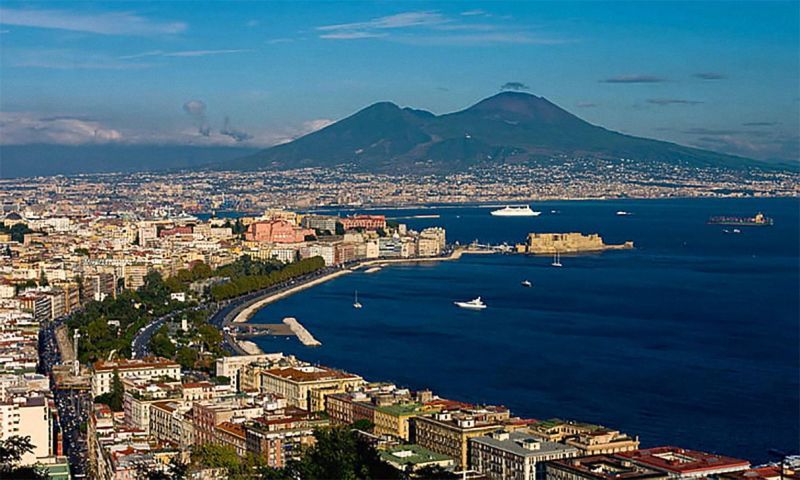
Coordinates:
[231,308]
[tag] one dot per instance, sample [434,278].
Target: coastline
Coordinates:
[245,314]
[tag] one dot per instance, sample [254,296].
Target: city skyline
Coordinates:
[711,75]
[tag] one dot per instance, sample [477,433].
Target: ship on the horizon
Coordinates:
[515,211]
[759,220]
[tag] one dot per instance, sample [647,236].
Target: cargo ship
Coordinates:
[759,220]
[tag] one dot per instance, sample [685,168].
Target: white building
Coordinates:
[28,416]
[147,368]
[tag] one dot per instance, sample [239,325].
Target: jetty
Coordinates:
[303,335]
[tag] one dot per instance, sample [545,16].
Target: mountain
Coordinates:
[45,160]
[510,127]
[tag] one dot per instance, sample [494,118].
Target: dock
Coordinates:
[303,335]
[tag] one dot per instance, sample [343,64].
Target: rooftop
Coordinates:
[683,461]
[413,454]
[525,445]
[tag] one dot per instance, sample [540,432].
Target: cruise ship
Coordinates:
[515,211]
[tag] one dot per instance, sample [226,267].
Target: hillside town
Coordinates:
[116,363]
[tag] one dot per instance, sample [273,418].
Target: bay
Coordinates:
[690,339]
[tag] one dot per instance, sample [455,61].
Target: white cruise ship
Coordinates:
[515,211]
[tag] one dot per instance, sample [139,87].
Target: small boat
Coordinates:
[372,270]
[623,213]
[475,304]
[557,260]
[527,283]
[356,304]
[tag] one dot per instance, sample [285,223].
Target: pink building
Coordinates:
[276,231]
[367,222]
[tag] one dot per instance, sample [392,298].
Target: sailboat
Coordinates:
[355,302]
[556,260]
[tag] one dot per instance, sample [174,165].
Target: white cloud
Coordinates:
[111,23]
[25,128]
[182,53]
[70,60]
[351,35]
[400,20]
[434,28]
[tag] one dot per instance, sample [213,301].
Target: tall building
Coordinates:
[448,432]
[514,455]
[28,415]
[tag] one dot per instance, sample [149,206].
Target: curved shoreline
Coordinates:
[246,313]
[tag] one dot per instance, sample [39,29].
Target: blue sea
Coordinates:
[690,339]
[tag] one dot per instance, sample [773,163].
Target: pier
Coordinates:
[303,335]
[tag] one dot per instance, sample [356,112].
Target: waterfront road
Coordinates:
[230,308]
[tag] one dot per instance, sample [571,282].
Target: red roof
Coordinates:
[683,461]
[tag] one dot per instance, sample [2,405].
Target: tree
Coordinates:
[12,449]
[175,470]
[434,472]
[342,454]
[113,398]
[187,357]
[363,424]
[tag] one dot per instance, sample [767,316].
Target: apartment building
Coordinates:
[514,455]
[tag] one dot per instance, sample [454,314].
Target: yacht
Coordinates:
[356,304]
[476,304]
[557,260]
[526,283]
[515,211]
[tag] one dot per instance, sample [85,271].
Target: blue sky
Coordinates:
[720,75]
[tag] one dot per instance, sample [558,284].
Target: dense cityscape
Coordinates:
[399,240]
[208,191]
[123,356]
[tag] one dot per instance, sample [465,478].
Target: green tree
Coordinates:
[175,470]
[187,357]
[342,454]
[161,345]
[363,424]
[113,398]
[12,449]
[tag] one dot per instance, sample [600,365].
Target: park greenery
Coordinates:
[245,278]
[109,326]
[170,341]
